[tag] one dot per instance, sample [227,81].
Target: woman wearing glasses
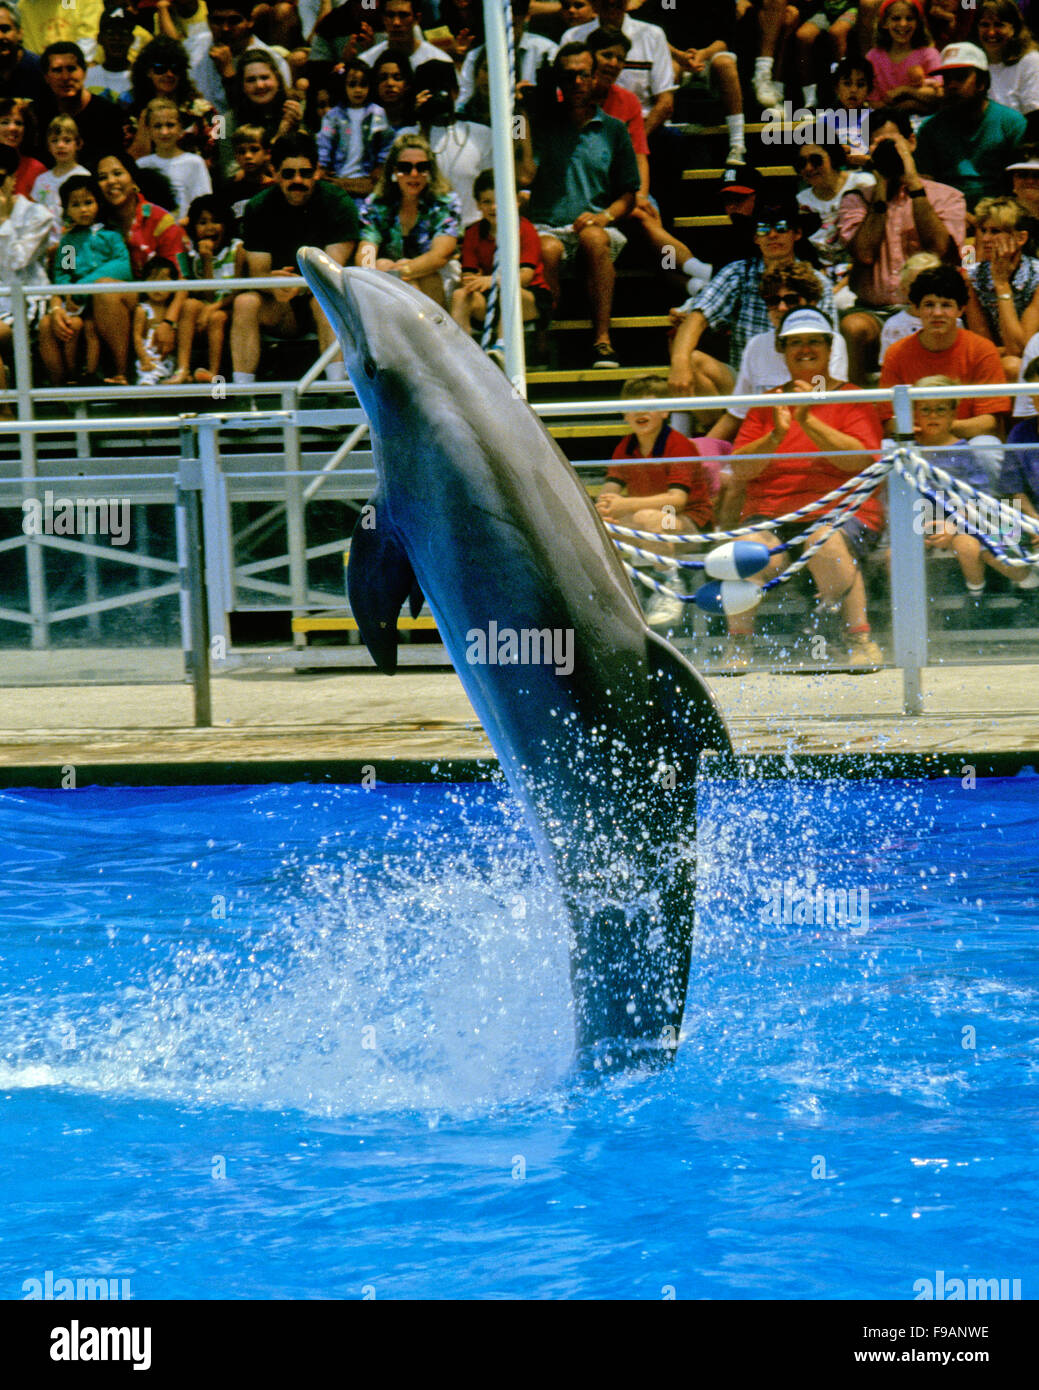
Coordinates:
[824,170]
[411,223]
[161,70]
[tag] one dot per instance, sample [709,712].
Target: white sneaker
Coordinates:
[737,155]
[768,91]
[664,611]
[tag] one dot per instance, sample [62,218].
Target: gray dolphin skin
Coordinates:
[598,723]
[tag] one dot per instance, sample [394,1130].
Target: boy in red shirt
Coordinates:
[469,301]
[660,497]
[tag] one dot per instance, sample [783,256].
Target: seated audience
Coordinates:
[822,168]
[110,77]
[882,226]
[834,19]
[161,70]
[18,132]
[213,55]
[609,48]
[399,20]
[656,496]
[296,210]
[1013,60]
[252,171]
[469,301]
[906,320]
[1024,179]
[347,141]
[100,122]
[804,470]
[532,52]
[583,177]
[410,224]
[180,20]
[215,253]
[853,80]
[63,146]
[762,366]
[943,348]
[970,139]
[1019,477]
[25,234]
[187,173]
[733,301]
[462,148]
[259,96]
[393,84]
[148,230]
[968,462]
[87,253]
[1004,282]
[649,73]
[20,74]
[155,362]
[904,58]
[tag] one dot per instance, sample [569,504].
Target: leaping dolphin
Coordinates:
[598,723]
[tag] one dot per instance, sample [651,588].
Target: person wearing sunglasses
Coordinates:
[296,210]
[823,168]
[762,367]
[411,223]
[732,303]
[161,70]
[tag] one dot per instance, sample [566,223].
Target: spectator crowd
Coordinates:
[172,141]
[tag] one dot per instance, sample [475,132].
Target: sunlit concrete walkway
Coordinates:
[133,707]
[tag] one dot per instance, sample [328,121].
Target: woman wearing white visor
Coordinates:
[817,446]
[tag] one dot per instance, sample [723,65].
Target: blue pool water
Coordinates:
[295,1041]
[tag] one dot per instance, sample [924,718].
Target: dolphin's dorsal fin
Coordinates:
[379,578]
[684,700]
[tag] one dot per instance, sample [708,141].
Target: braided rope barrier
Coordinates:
[847,498]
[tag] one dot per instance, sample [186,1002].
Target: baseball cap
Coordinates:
[1031,164]
[741,179]
[962,55]
[806,320]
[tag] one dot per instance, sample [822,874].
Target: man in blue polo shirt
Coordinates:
[583,176]
[969,142]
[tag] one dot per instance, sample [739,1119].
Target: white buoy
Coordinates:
[728,596]
[736,560]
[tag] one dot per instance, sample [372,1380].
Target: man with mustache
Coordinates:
[296,210]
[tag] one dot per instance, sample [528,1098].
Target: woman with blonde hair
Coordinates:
[1004,282]
[411,222]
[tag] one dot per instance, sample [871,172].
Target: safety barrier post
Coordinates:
[191,542]
[294,517]
[908,581]
[39,630]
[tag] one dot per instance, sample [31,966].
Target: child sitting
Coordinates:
[658,496]
[152,366]
[906,320]
[853,78]
[346,143]
[64,143]
[187,173]
[903,57]
[1004,301]
[252,155]
[836,18]
[216,254]
[977,462]
[87,252]
[111,79]
[470,299]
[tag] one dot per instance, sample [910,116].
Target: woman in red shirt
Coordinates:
[148,231]
[804,470]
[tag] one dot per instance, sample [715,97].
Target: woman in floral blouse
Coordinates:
[411,223]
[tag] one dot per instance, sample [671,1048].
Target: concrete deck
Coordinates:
[131,708]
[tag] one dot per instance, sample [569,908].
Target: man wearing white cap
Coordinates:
[971,139]
[816,447]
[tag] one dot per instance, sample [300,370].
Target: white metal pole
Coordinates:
[497,39]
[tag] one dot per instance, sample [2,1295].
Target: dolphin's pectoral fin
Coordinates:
[379,578]
[684,700]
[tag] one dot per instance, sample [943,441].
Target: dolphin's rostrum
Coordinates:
[597,722]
